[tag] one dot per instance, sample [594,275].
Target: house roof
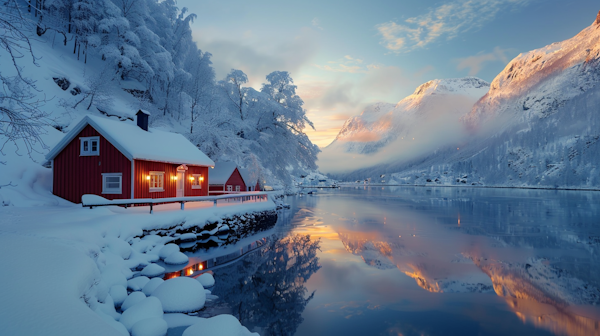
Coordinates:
[247,177]
[135,143]
[221,172]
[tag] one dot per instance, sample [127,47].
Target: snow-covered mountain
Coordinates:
[382,123]
[537,126]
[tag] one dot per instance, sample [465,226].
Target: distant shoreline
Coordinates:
[341,184]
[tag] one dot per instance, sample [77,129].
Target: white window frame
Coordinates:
[229,188]
[237,188]
[161,181]
[197,180]
[89,141]
[106,189]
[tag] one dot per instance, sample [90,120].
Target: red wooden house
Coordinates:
[224,178]
[119,160]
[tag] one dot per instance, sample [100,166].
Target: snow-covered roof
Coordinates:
[247,177]
[221,172]
[135,143]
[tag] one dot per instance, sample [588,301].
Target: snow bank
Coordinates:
[133,299]
[152,285]
[180,295]
[118,294]
[136,284]
[223,325]
[167,250]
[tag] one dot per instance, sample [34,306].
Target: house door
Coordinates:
[180,183]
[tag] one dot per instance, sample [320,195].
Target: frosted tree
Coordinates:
[21,120]
[232,86]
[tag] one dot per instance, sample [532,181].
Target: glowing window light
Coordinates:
[148,177]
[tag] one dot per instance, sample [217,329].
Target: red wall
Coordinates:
[236,179]
[216,187]
[76,175]
[142,187]
[188,184]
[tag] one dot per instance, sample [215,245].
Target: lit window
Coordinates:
[197,181]
[229,188]
[89,146]
[112,183]
[157,181]
[237,188]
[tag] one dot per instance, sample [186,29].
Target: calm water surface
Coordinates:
[423,261]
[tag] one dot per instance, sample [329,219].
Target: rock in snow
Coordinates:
[167,250]
[118,247]
[207,280]
[180,295]
[176,258]
[136,284]
[153,270]
[148,308]
[150,327]
[118,294]
[152,285]
[224,325]
[132,300]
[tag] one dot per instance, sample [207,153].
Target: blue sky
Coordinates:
[344,55]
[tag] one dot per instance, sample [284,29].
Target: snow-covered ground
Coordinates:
[70,267]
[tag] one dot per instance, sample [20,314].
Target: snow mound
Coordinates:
[118,247]
[224,325]
[188,237]
[118,294]
[207,280]
[113,276]
[136,284]
[133,299]
[167,250]
[176,258]
[180,295]
[150,327]
[153,270]
[149,308]
[152,285]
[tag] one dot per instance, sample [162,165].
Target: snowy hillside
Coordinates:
[537,126]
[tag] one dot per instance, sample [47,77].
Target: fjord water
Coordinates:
[423,261]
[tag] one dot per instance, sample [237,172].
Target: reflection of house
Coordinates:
[225,177]
[118,160]
[251,183]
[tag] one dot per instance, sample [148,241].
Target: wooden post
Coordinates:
[215,202]
[182,205]
[150,208]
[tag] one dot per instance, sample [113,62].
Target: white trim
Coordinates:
[106,190]
[132,179]
[229,187]
[89,151]
[238,188]
[157,173]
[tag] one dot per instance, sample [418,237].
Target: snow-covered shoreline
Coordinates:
[72,268]
[342,184]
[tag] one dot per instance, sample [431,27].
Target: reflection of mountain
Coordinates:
[387,255]
[547,292]
[267,289]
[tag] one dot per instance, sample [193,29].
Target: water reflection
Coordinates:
[266,290]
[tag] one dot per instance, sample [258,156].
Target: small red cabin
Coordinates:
[251,182]
[225,177]
[119,160]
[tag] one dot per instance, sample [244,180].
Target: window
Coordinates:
[237,188]
[197,181]
[229,188]
[157,181]
[90,146]
[112,183]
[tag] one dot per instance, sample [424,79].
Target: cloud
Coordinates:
[346,64]
[448,20]
[257,58]
[475,63]
[316,23]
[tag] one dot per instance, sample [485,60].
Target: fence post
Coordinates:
[182,205]
[215,202]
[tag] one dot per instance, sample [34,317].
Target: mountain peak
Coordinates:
[598,19]
[451,85]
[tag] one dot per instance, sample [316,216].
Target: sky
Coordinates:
[346,55]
